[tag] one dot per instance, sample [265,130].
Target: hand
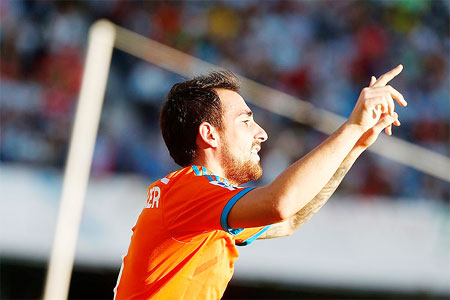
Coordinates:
[371,135]
[388,128]
[376,100]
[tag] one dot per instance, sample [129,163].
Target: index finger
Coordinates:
[385,78]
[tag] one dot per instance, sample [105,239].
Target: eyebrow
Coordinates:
[246,112]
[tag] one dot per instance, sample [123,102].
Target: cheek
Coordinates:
[240,142]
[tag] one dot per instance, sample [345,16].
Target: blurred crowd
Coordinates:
[320,51]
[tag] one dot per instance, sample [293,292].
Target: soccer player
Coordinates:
[184,242]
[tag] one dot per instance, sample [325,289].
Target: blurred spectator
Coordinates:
[323,52]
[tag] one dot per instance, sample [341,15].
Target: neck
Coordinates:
[214,167]
[210,162]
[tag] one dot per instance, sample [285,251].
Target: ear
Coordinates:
[207,136]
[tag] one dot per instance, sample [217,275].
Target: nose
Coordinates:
[261,134]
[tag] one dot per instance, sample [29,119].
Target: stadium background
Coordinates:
[323,52]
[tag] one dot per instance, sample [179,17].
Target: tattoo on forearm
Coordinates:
[321,198]
[313,206]
[275,230]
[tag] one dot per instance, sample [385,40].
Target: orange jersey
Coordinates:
[182,246]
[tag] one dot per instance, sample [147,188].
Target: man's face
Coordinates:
[241,139]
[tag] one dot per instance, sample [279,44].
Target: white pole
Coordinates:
[87,117]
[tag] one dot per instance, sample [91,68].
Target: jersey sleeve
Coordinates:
[201,203]
[249,235]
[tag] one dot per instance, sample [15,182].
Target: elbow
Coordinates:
[282,212]
[286,208]
[288,222]
[290,231]
[283,206]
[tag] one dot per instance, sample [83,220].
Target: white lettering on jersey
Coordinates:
[224,185]
[153,197]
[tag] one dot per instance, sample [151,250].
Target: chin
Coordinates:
[254,171]
[240,173]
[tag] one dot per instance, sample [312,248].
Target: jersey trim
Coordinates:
[205,173]
[196,170]
[202,171]
[253,238]
[227,209]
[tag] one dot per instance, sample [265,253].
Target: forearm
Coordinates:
[303,180]
[303,215]
[310,209]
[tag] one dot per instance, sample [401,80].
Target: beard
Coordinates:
[238,171]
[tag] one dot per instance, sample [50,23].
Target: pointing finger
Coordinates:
[385,78]
[372,81]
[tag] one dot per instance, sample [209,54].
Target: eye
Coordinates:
[247,122]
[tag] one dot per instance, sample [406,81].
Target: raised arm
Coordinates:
[289,226]
[302,181]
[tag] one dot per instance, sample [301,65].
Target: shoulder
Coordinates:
[175,176]
[183,178]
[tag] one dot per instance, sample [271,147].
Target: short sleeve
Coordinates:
[248,235]
[201,203]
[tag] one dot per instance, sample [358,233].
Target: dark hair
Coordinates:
[188,104]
